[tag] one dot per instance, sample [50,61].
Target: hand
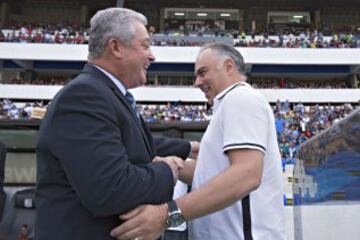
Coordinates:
[187,172]
[195,148]
[145,222]
[174,163]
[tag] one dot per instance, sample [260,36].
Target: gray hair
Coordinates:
[112,23]
[225,51]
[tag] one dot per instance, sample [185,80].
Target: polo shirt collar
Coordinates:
[222,94]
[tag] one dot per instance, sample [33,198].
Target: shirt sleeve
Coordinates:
[245,120]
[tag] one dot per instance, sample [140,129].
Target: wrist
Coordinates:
[174,215]
[164,211]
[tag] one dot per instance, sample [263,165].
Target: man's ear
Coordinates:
[116,48]
[229,65]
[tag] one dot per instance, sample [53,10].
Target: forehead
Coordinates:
[205,58]
[141,32]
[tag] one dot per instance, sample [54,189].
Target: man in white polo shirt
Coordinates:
[237,186]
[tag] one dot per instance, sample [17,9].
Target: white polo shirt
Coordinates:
[242,118]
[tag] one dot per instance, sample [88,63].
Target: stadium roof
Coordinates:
[238,4]
[248,3]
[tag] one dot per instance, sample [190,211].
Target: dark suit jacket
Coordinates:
[94,161]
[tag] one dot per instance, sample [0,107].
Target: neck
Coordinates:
[237,78]
[111,68]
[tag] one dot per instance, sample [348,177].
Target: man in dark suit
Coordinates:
[94,152]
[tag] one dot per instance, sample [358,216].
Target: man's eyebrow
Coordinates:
[199,70]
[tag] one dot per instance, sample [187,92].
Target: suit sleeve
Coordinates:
[166,146]
[87,140]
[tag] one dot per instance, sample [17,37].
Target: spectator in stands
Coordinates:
[279,123]
[238,154]
[2,112]
[2,37]
[24,233]
[94,154]
[152,30]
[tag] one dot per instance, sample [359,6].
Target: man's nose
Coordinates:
[197,82]
[151,56]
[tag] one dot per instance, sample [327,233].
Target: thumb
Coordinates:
[157,159]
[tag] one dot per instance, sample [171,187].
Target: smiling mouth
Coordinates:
[146,66]
[205,90]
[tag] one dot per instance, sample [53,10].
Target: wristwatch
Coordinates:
[175,217]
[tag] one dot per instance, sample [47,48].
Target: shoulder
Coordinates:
[85,83]
[245,95]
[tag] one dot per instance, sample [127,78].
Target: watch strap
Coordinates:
[172,206]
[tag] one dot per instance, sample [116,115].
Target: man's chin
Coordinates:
[141,82]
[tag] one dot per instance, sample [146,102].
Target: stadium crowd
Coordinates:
[295,122]
[13,111]
[175,112]
[45,33]
[256,83]
[17,79]
[73,34]
[293,83]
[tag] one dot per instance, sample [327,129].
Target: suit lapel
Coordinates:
[98,74]
[136,120]
[149,137]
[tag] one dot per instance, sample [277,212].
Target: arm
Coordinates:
[166,146]
[245,146]
[242,177]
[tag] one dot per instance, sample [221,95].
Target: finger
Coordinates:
[120,234]
[179,163]
[157,158]
[195,145]
[132,213]
[126,227]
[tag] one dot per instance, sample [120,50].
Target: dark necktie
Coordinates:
[132,102]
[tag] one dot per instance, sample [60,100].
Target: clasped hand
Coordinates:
[174,163]
[145,222]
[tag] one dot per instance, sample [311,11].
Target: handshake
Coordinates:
[147,222]
[178,166]
[175,164]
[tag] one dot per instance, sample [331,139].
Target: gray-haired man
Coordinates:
[94,152]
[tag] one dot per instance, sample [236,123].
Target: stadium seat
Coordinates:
[19,211]
[17,206]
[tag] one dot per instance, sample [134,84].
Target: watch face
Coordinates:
[175,219]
